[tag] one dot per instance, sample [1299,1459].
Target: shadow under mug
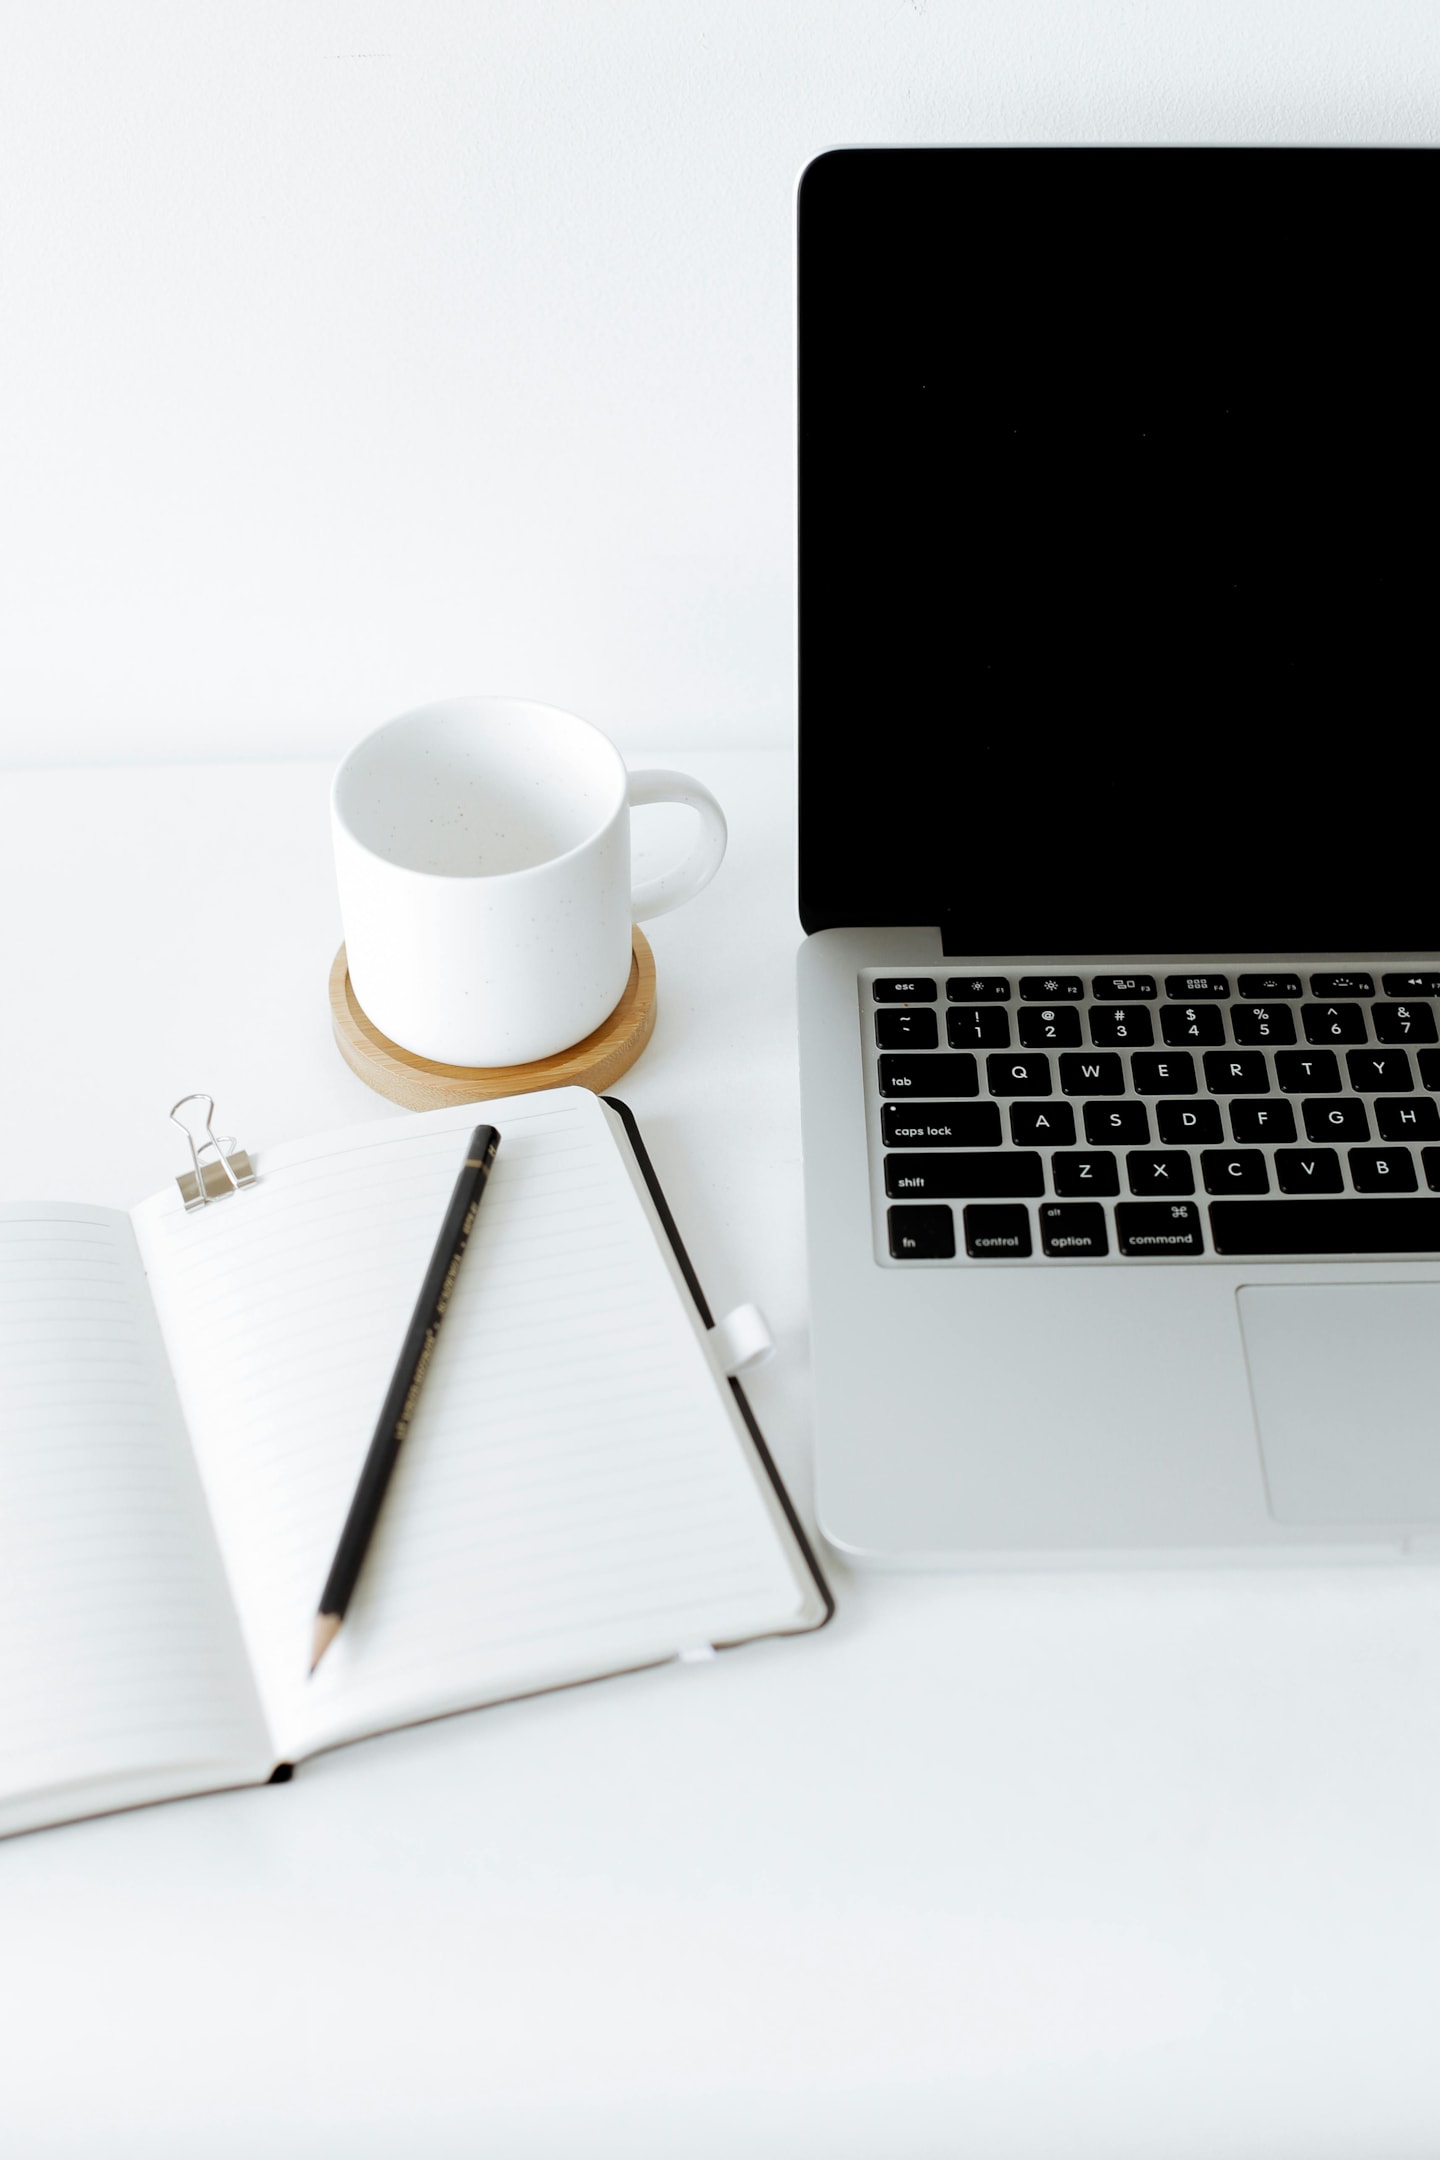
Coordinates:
[482,852]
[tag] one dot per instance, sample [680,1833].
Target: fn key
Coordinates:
[921,1233]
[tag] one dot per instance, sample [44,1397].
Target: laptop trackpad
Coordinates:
[1345,1379]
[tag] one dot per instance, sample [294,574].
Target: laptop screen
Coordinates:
[1119,490]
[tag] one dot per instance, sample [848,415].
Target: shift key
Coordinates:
[964,1177]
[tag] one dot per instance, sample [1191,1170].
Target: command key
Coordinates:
[1158,1230]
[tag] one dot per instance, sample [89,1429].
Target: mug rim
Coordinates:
[434,709]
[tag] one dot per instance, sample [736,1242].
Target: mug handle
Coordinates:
[656,896]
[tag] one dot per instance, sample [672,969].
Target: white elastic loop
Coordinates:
[742,1340]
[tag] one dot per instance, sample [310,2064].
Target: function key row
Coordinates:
[1141,989]
[1035,989]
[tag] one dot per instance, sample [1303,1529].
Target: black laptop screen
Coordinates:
[1119,491]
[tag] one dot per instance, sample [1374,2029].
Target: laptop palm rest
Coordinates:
[1345,1380]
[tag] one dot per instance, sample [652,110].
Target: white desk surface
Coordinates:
[1095,1865]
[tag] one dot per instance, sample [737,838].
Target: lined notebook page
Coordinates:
[119,1648]
[572,1497]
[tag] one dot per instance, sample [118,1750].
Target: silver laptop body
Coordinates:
[1118,1008]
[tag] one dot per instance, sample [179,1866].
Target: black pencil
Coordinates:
[404,1391]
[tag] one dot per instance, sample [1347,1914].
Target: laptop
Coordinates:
[1120,994]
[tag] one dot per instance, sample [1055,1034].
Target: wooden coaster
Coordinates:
[420,1084]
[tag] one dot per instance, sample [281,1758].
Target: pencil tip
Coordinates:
[327,1627]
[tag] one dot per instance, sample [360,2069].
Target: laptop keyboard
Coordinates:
[1293,1112]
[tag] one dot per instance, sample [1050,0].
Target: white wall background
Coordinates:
[354,352]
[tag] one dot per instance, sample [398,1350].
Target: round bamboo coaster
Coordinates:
[420,1084]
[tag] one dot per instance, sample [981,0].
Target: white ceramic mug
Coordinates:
[482,849]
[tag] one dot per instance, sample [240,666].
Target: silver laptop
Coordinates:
[1119,647]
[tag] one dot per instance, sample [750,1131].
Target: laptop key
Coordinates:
[921,1233]
[1263,1024]
[1103,1074]
[1187,1124]
[1159,1171]
[1084,1176]
[997,1233]
[1309,1072]
[1333,1023]
[977,1027]
[1230,1170]
[1163,1072]
[1152,1229]
[1048,1027]
[902,1027]
[1197,986]
[1042,1124]
[1183,1024]
[1379,1072]
[1271,986]
[1413,1119]
[1237,1072]
[903,989]
[1018,1075]
[1125,1124]
[1429,1063]
[1403,1023]
[1308,1170]
[1122,987]
[967,1124]
[965,989]
[1330,984]
[929,1076]
[963,1177]
[1381,1169]
[1430,1159]
[1262,1120]
[1250,1228]
[1424,983]
[1114,1026]
[1073,1230]
[1048,989]
[1343,1120]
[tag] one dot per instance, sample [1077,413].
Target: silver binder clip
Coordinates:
[226,1169]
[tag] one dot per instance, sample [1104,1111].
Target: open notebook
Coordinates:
[185,1401]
